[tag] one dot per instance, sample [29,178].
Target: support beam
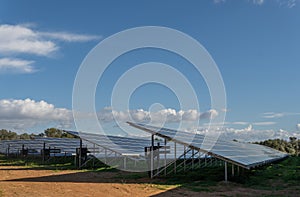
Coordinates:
[152,157]
[175,166]
[232,169]
[124,165]
[193,156]
[105,156]
[80,151]
[165,164]
[199,159]
[184,159]
[226,178]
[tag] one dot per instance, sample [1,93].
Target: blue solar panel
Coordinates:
[246,155]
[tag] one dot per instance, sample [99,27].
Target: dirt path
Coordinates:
[21,181]
[18,181]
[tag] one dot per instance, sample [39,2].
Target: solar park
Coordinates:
[164,152]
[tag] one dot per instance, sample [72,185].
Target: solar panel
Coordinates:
[66,145]
[121,145]
[246,155]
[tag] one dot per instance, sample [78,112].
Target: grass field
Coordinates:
[278,179]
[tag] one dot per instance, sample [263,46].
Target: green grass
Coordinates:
[131,176]
[275,176]
[36,162]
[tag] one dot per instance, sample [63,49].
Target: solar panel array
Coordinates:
[246,155]
[122,145]
[66,145]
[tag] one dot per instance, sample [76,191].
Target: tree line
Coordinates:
[50,132]
[291,146]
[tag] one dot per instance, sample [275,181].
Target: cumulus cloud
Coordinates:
[24,39]
[164,115]
[247,134]
[21,39]
[298,127]
[211,114]
[25,114]
[14,65]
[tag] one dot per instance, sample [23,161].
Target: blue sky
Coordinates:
[256,45]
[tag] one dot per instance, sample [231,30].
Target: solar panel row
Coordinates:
[243,154]
[66,145]
[246,155]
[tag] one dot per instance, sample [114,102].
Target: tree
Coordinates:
[53,132]
[24,136]
[291,147]
[7,135]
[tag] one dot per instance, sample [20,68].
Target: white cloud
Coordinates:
[287,3]
[69,37]
[238,123]
[19,39]
[264,123]
[165,115]
[271,115]
[258,2]
[219,1]
[253,123]
[248,134]
[298,127]
[20,115]
[282,3]
[24,39]
[13,65]
[211,114]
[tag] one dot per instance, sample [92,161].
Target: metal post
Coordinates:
[80,150]
[165,157]
[94,155]
[226,172]
[125,164]
[184,159]
[8,147]
[157,153]
[199,158]
[152,156]
[175,166]
[105,152]
[44,156]
[193,156]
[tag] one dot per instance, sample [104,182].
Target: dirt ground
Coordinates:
[21,181]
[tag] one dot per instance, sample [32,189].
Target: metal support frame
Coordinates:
[152,156]
[165,162]
[226,177]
